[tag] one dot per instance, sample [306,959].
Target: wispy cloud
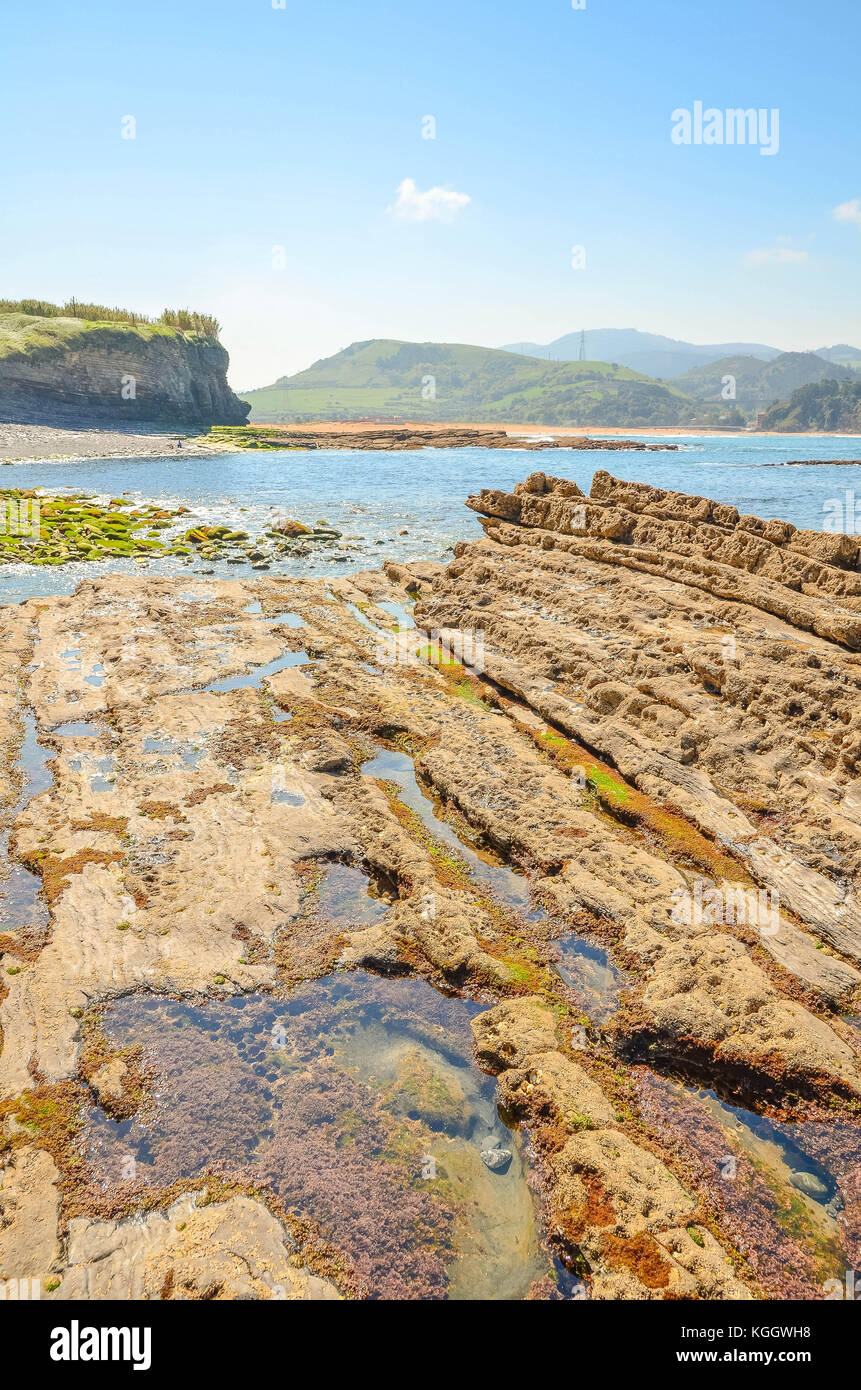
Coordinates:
[848,212]
[775,255]
[434,205]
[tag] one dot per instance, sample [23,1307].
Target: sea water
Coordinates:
[373,496]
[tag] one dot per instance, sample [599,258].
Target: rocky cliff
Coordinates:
[74,369]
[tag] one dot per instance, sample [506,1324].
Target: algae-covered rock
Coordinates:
[41,530]
[429,1091]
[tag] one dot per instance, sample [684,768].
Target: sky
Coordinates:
[482,171]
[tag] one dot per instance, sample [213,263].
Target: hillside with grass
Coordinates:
[759,384]
[385,378]
[89,362]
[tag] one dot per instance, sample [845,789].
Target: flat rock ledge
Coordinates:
[223,1251]
[644,704]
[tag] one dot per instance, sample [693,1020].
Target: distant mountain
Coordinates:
[649,353]
[842,354]
[829,406]
[386,378]
[759,384]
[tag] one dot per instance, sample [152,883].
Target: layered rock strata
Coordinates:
[53,370]
[646,708]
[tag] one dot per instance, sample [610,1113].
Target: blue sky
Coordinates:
[258,127]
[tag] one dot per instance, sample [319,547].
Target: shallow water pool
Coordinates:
[359,1101]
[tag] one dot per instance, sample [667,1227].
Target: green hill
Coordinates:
[843,354]
[758,384]
[456,381]
[829,406]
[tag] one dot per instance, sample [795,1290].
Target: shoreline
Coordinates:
[59,443]
[548,431]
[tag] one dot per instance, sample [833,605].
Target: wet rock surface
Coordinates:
[258,436]
[596,783]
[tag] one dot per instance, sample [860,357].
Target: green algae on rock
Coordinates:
[39,530]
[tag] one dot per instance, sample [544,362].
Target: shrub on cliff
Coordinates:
[187,319]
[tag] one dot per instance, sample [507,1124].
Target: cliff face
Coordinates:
[112,372]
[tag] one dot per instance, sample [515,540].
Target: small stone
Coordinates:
[497,1160]
[809,1184]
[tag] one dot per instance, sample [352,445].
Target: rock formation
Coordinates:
[68,369]
[256,436]
[632,720]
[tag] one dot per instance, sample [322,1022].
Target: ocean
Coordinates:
[407,505]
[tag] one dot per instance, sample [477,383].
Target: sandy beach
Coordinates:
[554,431]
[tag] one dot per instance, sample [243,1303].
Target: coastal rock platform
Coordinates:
[602,777]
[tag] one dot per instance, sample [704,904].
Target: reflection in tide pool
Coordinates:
[100,771]
[359,1101]
[590,972]
[391,766]
[344,894]
[255,677]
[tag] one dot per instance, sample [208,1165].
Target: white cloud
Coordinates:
[775,255]
[434,205]
[848,212]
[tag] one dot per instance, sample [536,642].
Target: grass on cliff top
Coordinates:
[32,336]
[189,320]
